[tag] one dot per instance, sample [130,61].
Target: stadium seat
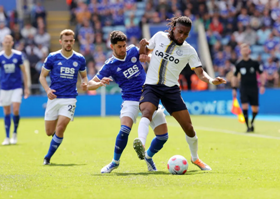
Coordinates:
[120,28]
[257,49]
[141,5]
[265,56]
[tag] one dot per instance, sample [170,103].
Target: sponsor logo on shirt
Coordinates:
[66,72]
[131,71]
[166,56]
[59,64]
[118,69]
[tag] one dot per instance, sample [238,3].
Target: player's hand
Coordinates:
[26,93]
[262,90]
[143,42]
[50,94]
[144,58]
[234,93]
[84,86]
[105,80]
[219,80]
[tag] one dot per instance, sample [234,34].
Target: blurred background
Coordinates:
[219,27]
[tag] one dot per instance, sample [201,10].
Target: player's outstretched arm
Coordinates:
[206,78]
[43,81]
[95,83]
[26,89]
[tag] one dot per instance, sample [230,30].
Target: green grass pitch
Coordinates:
[244,165]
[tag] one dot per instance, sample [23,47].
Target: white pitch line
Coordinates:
[228,132]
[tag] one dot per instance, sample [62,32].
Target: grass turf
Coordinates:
[243,166]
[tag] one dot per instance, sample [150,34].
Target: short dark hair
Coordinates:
[116,36]
[184,20]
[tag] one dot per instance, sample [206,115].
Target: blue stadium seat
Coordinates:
[141,5]
[254,56]
[120,28]
[106,31]
[257,49]
[265,56]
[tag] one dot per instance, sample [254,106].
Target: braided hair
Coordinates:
[184,20]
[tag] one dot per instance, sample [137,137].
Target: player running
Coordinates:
[170,55]
[125,68]
[12,70]
[249,92]
[63,66]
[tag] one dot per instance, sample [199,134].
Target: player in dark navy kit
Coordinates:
[63,66]
[125,68]
[249,92]
[12,71]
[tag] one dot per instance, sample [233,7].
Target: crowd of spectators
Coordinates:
[30,36]
[227,23]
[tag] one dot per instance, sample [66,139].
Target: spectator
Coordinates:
[27,30]
[3,15]
[42,38]
[271,73]
[3,32]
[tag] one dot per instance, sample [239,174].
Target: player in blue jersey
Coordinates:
[125,68]
[63,66]
[12,71]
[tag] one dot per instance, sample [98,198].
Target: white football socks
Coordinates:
[193,145]
[143,129]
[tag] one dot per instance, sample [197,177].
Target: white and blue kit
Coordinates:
[130,75]
[11,77]
[64,75]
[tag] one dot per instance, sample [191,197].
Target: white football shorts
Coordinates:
[60,106]
[7,97]
[131,109]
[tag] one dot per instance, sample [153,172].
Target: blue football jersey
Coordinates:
[128,73]
[11,77]
[64,73]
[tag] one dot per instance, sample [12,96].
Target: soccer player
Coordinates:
[12,71]
[63,66]
[125,68]
[170,55]
[249,92]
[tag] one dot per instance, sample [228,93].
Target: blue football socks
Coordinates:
[121,141]
[157,144]
[7,121]
[56,141]
[16,122]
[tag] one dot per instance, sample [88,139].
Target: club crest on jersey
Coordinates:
[133,59]
[75,63]
[161,45]
[179,52]
[3,62]
[15,60]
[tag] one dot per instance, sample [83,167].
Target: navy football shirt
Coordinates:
[128,73]
[64,72]
[10,70]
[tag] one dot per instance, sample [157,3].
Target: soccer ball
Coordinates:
[177,164]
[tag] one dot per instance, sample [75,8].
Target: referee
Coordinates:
[249,92]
